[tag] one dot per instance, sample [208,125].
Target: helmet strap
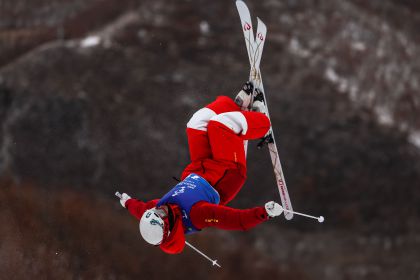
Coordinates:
[166,214]
[171,218]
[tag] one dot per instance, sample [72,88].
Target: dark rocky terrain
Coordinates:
[94,97]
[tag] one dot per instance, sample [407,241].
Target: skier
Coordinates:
[216,135]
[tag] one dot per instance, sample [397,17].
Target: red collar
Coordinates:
[174,242]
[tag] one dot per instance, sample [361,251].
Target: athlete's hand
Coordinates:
[123,199]
[273,209]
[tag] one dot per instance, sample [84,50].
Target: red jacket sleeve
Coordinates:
[204,214]
[137,207]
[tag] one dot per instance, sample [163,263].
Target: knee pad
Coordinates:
[235,121]
[201,119]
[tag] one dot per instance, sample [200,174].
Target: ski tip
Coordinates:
[261,23]
[241,4]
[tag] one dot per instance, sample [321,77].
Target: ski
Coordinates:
[255,48]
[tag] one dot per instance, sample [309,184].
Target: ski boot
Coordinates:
[259,103]
[259,106]
[267,139]
[244,97]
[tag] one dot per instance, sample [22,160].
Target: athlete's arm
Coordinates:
[204,214]
[137,207]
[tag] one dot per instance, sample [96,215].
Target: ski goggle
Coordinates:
[162,213]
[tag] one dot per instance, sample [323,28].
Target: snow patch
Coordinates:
[331,75]
[342,84]
[90,41]
[353,92]
[384,115]
[204,27]
[296,48]
[358,46]
[414,138]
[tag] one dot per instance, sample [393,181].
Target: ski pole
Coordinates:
[214,262]
[320,218]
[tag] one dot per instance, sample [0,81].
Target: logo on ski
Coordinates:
[283,192]
[247,26]
[260,36]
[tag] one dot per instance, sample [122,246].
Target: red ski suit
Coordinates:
[216,137]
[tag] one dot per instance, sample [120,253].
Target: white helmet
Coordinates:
[152,226]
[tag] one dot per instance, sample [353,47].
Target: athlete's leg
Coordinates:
[226,133]
[197,126]
[228,130]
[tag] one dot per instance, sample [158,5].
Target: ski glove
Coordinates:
[273,209]
[124,198]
